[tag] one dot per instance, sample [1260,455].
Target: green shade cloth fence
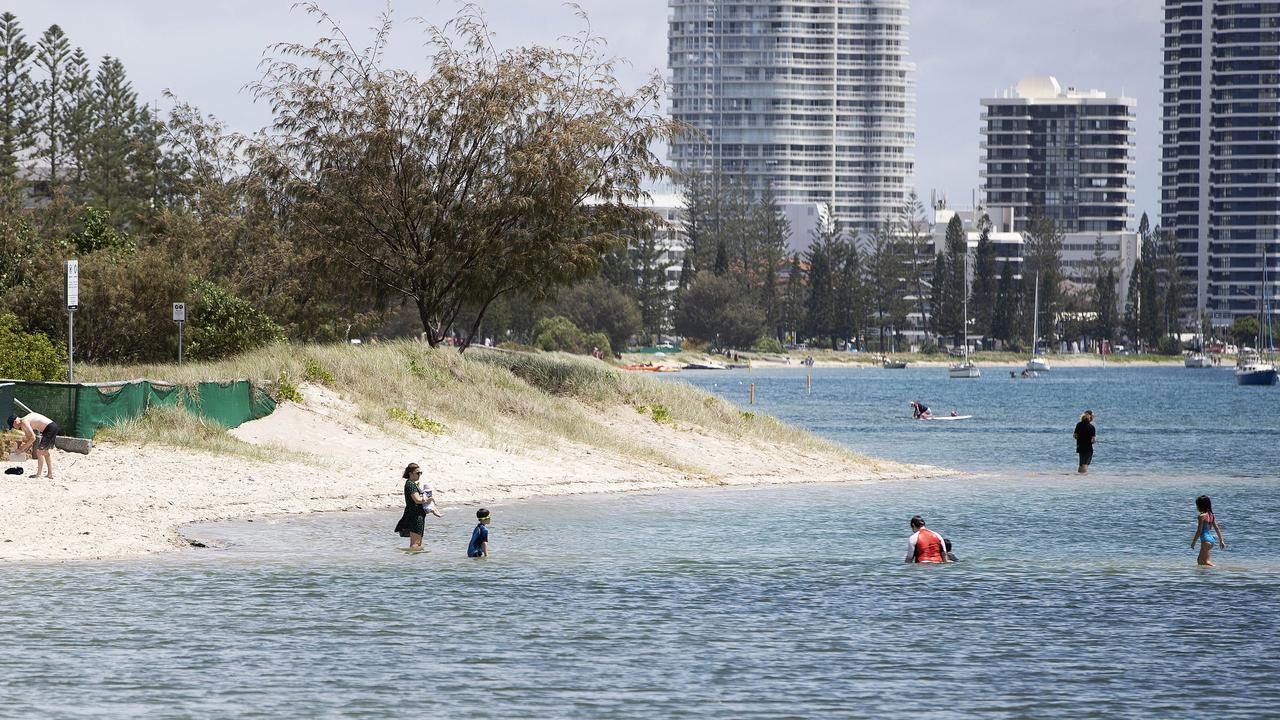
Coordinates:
[81,409]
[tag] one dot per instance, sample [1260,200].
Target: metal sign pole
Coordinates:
[179,343]
[180,317]
[71,345]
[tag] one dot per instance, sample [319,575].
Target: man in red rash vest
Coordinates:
[924,545]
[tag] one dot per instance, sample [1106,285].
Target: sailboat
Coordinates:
[1251,368]
[1036,363]
[965,368]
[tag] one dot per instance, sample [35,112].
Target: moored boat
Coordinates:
[1197,360]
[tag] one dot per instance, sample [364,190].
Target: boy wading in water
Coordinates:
[1207,531]
[479,545]
[1086,435]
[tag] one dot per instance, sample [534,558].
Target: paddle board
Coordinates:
[950,417]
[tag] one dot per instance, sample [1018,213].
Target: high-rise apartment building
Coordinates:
[1220,172]
[813,97]
[1062,154]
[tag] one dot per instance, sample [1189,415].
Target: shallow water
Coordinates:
[1076,597]
[1150,420]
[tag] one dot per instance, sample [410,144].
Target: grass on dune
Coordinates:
[176,427]
[512,398]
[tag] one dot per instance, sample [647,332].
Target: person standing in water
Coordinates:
[1207,531]
[1086,435]
[925,545]
[414,519]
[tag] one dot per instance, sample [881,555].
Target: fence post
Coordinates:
[752,400]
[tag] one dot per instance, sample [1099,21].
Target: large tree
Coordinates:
[486,174]
[1043,263]
[887,306]
[17,97]
[715,309]
[53,58]
[982,299]
[917,255]
[950,317]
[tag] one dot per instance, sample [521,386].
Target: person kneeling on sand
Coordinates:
[48,430]
[925,545]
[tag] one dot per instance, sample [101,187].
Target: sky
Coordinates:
[206,51]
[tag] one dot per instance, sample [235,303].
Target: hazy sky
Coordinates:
[205,51]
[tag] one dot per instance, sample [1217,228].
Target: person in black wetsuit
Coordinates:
[1086,435]
[920,411]
[414,518]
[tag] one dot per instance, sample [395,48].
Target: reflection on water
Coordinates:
[1075,597]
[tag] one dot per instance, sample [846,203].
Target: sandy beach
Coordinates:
[123,500]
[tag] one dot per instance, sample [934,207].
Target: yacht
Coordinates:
[965,368]
[1197,360]
[1251,367]
[1037,363]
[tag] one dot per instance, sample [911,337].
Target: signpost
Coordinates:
[71,269]
[179,316]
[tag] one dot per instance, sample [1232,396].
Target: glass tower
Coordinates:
[1220,170]
[813,97]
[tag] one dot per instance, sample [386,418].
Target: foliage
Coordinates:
[314,372]
[767,344]
[983,297]
[715,309]
[1043,264]
[1170,345]
[467,181]
[286,390]
[29,356]
[223,324]
[97,233]
[560,334]
[1244,330]
[596,306]
[416,421]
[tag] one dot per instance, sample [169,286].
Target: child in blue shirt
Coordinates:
[479,545]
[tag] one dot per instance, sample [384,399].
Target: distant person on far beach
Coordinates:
[925,545]
[414,518]
[1207,531]
[479,545]
[38,435]
[1086,435]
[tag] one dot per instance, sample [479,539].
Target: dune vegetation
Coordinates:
[507,398]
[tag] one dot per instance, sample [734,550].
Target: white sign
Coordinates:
[1221,319]
[72,269]
[179,312]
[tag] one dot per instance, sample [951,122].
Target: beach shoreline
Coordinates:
[124,501]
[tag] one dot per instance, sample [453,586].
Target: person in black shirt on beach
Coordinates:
[1086,435]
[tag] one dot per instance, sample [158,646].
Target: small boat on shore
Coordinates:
[889,364]
[705,365]
[650,367]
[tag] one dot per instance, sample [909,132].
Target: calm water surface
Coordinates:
[1075,598]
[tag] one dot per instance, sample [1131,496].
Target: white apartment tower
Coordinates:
[813,97]
[1062,154]
[1220,170]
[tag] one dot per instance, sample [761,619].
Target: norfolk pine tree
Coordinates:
[982,300]
[17,99]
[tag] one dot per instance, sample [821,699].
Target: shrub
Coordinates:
[601,341]
[416,421]
[597,306]
[313,372]
[660,414]
[1170,345]
[559,333]
[286,391]
[223,324]
[29,356]
[767,344]
[929,348]
[716,308]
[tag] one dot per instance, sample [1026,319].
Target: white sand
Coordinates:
[122,500]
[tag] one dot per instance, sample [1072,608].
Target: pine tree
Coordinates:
[650,286]
[17,98]
[1003,320]
[1043,260]
[886,301]
[850,292]
[1151,315]
[1105,299]
[823,256]
[1173,284]
[52,56]
[111,176]
[771,230]
[78,122]
[982,300]
[955,286]
[938,291]
[1133,303]
[721,267]
[793,300]
[918,257]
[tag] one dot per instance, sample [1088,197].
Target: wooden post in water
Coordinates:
[808,384]
[752,400]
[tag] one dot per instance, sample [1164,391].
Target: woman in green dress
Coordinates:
[414,517]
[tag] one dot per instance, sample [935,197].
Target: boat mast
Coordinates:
[1035,318]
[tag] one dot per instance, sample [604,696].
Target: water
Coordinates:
[1076,597]
[1150,420]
